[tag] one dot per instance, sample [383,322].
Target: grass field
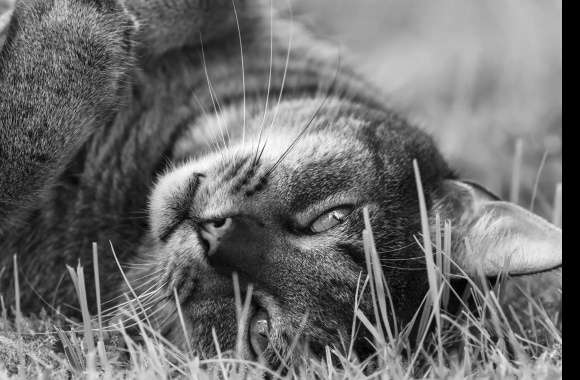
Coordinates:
[485,78]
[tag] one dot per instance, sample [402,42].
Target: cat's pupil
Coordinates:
[219,223]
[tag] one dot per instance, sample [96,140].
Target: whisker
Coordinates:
[135,317]
[214,100]
[137,287]
[140,265]
[243,73]
[43,300]
[128,313]
[163,307]
[286,65]
[147,297]
[310,121]
[403,259]
[259,157]
[403,268]
[219,111]
[113,300]
[261,129]
[215,148]
[411,244]
[115,311]
[144,312]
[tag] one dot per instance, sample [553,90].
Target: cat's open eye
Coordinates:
[330,219]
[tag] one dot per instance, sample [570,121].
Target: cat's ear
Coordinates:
[499,237]
[6,10]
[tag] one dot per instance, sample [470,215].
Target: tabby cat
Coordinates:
[197,140]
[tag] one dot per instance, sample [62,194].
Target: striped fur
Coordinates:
[190,109]
[230,112]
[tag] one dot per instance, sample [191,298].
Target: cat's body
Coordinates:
[93,115]
[99,191]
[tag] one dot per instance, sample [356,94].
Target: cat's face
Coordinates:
[288,223]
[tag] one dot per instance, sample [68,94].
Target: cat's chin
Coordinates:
[214,321]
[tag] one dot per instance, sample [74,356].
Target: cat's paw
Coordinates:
[170,24]
[91,41]
[118,8]
[118,14]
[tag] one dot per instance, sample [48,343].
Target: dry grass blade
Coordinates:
[182,321]
[516,172]
[21,357]
[432,269]
[78,280]
[377,278]
[557,218]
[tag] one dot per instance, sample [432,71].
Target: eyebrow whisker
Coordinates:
[311,120]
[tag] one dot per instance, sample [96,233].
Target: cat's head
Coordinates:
[283,209]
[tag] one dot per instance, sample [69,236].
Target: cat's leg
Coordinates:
[170,24]
[63,68]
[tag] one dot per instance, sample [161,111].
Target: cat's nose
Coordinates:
[213,232]
[240,246]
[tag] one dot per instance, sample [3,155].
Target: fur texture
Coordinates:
[137,124]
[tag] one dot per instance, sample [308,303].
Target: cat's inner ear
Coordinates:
[6,10]
[492,236]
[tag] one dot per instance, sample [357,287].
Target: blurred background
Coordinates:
[479,75]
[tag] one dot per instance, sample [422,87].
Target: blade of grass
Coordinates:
[100,343]
[219,353]
[182,321]
[242,312]
[377,275]
[97,289]
[516,171]
[4,311]
[21,358]
[438,248]
[557,217]
[78,280]
[367,249]
[72,352]
[446,263]
[537,180]
[427,249]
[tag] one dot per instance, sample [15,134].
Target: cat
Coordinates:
[199,142]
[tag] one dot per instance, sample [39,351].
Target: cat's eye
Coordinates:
[330,219]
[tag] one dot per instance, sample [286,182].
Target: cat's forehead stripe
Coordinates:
[318,180]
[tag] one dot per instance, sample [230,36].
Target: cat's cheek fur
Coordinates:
[167,190]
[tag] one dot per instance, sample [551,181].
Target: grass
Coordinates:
[501,338]
[485,79]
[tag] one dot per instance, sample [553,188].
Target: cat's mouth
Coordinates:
[259,331]
[259,320]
